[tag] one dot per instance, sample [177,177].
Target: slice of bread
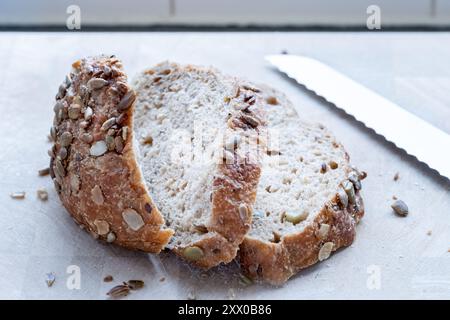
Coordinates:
[115,150]
[302,212]
[194,126]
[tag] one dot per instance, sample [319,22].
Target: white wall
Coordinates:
[270,12]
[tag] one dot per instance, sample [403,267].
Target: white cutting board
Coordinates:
[392,257]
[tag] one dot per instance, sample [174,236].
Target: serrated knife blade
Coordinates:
[407,131]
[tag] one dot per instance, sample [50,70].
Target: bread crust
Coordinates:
[102,189]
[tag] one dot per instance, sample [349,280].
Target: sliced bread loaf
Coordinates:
[115,150]
[194,126]
[308,201]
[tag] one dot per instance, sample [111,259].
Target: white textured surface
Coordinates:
[409,69]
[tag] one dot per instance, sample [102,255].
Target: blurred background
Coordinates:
[217,13]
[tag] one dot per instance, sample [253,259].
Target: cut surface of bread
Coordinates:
[307,202]
[192,125]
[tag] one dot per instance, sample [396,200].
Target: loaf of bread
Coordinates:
[308,199]
[116,150]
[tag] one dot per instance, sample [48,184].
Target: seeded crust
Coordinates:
[235,180]
[102,189]
[275,262]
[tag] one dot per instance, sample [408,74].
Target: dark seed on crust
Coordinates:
[62,153]
[121,118]
[111,145]
[118,142]
[108,123]
[61,92]
[53,133]
[148,207]
[60,170]
[57,186]
[400,208]
[126,101]
[86,137]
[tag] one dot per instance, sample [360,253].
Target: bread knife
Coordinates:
[407,131]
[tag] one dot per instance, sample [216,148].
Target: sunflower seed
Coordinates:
[325,251]
[353,177]
[119,291]
[135,284]
[42,194]
[133,219]
[125,133]
[74,183]
[349,190]
[58,106]
[108,278]
[121,118]
[62,153]
[108,123]
[99,148]
[118,141]
[126,101]
[111,237]
[18,195]
[60,170]
[102,227]
[61,91]
[57,186]
[74,111]
[97,195]
[53,133]
[66,139]
[50,279]
[68,80]
[96,83]
[193,253]
[44,172]
[400,208]
[343,198]
[110,143]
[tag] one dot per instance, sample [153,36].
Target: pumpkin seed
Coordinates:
[193,253]
[66,139]
[88,113]
[96,83]
[323,230]
[119,291]
[108,123]
[97,195]
[133,219]
[350,191]
[18,195]
[135,284]
[74,111]
[400,208]
[102,227]
[44,172]
[111,237]
[243,211]
[325,251]
[126,101]
[295,218]
[42,194]
[87,137]
[98,149]
[343,198]
[50,279]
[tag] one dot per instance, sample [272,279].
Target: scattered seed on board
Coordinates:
[50,279]
[108,278]
[400,208]
[193,253]
[396,176]
[18,195]
[162,279]
[44,172]
[119,291]
[135,284]
[429,232]
[42,194]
